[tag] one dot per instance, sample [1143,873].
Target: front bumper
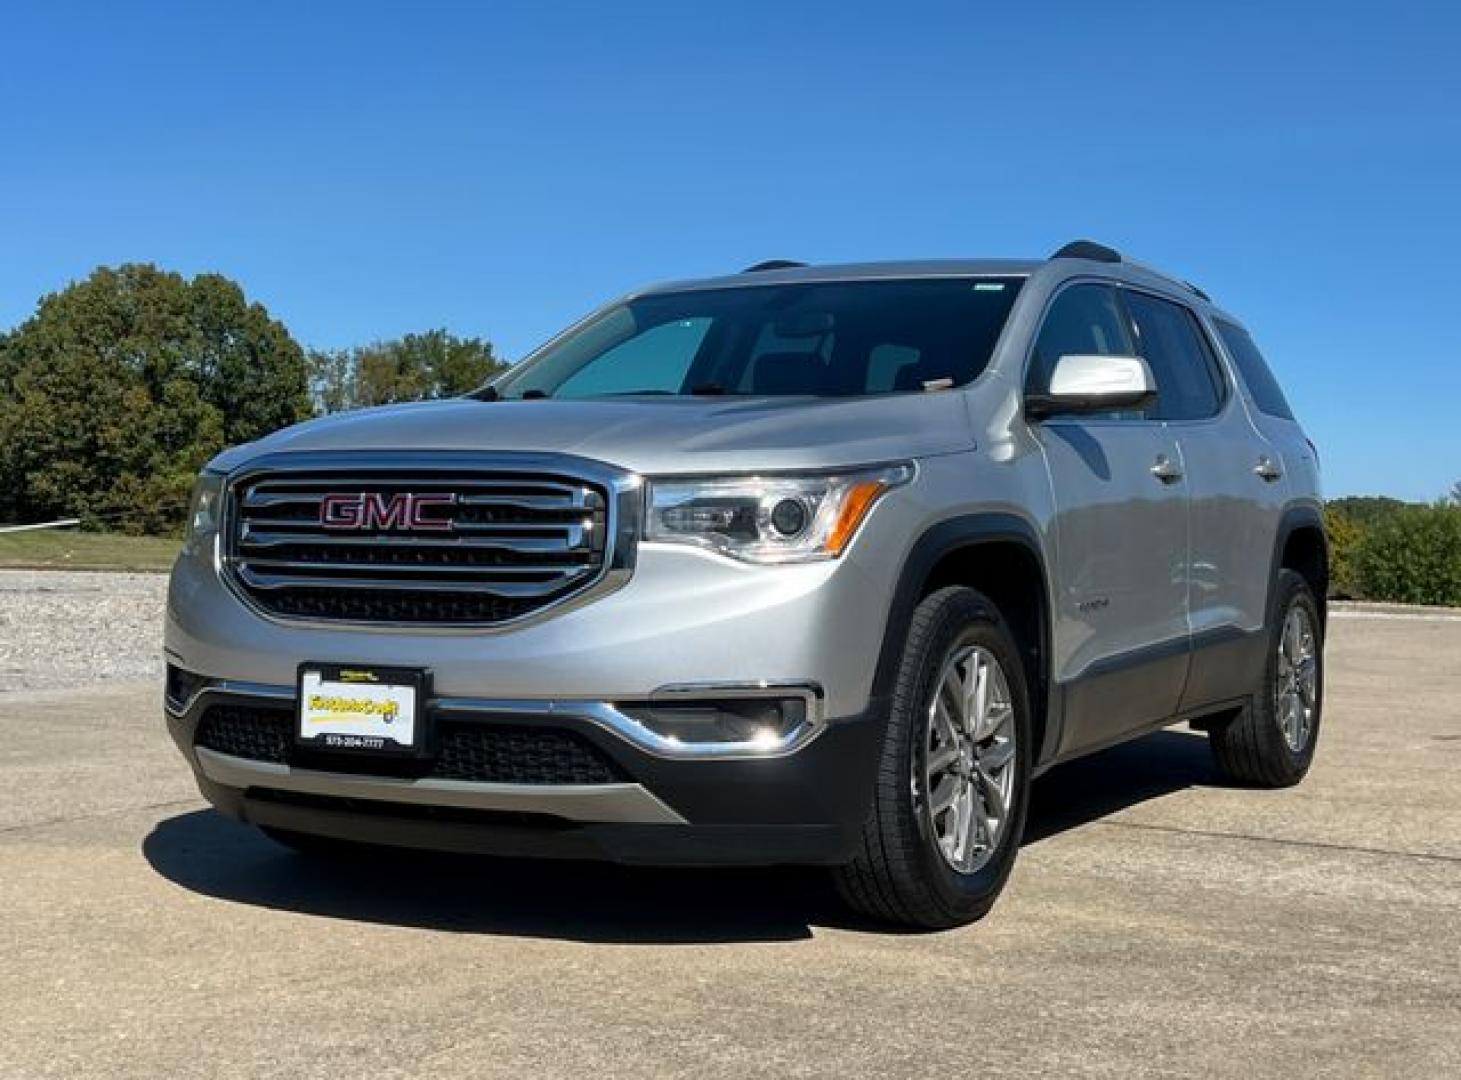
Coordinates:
[805,806]
[684,618]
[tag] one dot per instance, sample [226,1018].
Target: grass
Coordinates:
[71,549]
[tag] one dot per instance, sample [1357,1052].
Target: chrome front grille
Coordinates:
[446,544]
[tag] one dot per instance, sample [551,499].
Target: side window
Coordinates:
[1084,320]
[1255,371]
[1169,339]
[657,359]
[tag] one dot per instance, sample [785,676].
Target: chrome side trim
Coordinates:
[620,803]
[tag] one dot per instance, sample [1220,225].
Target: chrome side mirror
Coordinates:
[1086,384]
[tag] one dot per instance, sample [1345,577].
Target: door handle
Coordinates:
[1267,469]
[1166,470]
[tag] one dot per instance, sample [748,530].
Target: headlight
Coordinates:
[769,519]
[203,510]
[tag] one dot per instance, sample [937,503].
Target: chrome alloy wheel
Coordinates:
[1297,685]
[966,776]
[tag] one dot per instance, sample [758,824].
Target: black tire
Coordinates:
[898,874]
[316,847]
[1251,749]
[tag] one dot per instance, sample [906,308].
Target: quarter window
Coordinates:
[1266,392]
[1169,339]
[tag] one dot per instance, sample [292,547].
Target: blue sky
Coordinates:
[370,169]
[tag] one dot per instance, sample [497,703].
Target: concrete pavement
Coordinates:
[1157,924]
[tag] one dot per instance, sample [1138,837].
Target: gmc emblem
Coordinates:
[406,511]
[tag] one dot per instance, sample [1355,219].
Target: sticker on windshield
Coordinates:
[989,286]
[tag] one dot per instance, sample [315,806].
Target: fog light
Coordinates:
[181,686]
[757,723]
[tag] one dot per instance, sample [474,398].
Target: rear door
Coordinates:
[1287,448]
[1121,538]
[1233,501]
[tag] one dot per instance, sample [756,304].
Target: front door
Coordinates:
[1121,540]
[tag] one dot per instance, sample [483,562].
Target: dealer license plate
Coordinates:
[366,709]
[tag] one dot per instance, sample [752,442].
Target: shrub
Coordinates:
[1345,535]
[1366,510]
[1412,556]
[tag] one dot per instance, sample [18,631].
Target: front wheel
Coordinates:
[953,779]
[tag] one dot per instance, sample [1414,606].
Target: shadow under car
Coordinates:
[599,902]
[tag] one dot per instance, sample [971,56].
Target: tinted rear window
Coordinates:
[1267,394]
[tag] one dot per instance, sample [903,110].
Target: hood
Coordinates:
[660,435]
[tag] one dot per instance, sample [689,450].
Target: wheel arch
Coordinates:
[1302,546]
[1000,555]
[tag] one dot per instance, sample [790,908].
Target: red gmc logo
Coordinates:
[405,510]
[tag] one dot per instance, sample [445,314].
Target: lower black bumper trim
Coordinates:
[532,836]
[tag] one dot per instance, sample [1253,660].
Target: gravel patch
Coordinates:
[65,628]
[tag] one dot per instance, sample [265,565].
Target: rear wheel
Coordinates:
[953,780]
[1271,743]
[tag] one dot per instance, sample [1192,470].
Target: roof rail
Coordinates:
[1088,249]
[1157,271]
[773,264]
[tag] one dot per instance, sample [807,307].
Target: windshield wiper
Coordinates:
[696,391]
[491,393]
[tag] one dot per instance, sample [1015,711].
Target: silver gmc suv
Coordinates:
[817,565]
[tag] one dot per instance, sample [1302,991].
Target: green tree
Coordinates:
[332,379]
[246,363]
[119,387]
[416,367]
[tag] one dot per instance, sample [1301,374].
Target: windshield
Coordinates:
[819,338]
